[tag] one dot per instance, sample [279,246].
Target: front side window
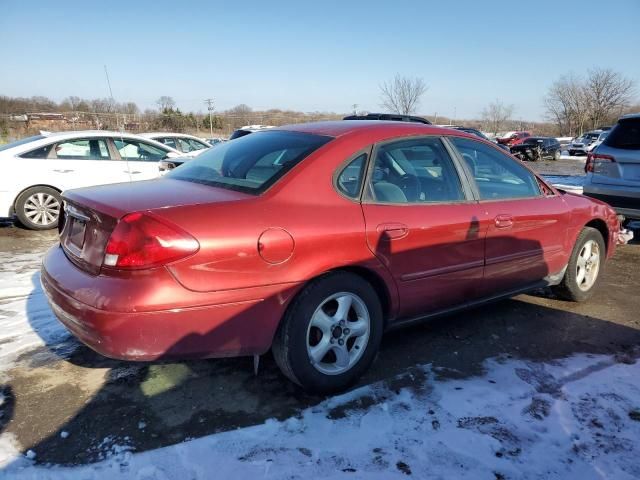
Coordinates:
[497,176]
[414,171]
[135,150]
[350,178]
[251,163]
[83,149]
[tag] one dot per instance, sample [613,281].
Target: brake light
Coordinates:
[592,158]
[142,240]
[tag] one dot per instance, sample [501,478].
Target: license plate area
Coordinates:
[77,231]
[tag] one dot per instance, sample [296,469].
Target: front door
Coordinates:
[423,225]
[142,158]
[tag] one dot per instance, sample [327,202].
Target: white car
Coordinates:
[598,141]
[187,144]
[36,169]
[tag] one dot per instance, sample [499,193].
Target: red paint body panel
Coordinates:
[258,251]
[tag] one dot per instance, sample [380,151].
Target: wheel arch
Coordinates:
[601,226]
[13,206]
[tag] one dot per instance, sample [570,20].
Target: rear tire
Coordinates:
[556,155]
[330,333]
[585,267]
[38,208]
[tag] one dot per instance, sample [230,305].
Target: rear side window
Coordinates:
[82,149]
[497,176]
[625,135]
[168,141]
[349,180]
[17,143]
[251,163]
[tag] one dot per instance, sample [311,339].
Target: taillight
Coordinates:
[142,240]
[593,158]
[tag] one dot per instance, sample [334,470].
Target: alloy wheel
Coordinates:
[588,265]
[338,333]
[42,209]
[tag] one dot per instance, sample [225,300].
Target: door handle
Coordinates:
[393,230]
[58,170]
[135,171]
[504,221]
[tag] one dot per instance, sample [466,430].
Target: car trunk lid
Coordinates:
[91,214]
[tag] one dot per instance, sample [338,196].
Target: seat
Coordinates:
[388,192]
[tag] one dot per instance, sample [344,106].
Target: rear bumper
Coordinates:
[623,202]
[240,322]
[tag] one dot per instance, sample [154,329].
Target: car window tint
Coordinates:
[251,163]
[168,141]
[196,145]
[42,152]
[497,175]
[83,149]
[185,146]
[349,180]
[626,135]
[136,150]
[415,171]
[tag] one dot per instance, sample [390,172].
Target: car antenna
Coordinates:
[113,103]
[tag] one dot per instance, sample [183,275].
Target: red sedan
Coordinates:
[516,138]
[312,240]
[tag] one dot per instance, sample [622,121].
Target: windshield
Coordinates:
[252,163]
[20,142]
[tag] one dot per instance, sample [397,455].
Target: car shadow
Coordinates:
[150,405]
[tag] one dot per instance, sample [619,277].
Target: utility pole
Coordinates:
[209,102]
[355,108]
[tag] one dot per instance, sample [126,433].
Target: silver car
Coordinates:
[613,168]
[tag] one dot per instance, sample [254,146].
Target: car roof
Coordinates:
[629,116]
[166,134]
[383,128]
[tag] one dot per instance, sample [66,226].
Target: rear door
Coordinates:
[423,224]
[526,227]
[84,162]
[620,156]
[142,158]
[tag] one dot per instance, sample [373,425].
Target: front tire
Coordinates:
[585,267]
[330,333]
[556,155]
[38,208]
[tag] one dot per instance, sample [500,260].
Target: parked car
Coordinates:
[246,130]
[187,144]
[513,138]
[312,240]
[477,133]
[394,117]
[215,141]
[36,169]
[537,148]
[597,141]
[613,168]
[580,145]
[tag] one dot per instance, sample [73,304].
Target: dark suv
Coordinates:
[537,148]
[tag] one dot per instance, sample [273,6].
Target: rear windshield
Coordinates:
[20,142]
[626,134]
[252,163]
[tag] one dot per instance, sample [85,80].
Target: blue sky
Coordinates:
[312,56]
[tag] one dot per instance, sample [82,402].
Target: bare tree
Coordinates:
[165,103]
[608,93]
[239,115]
[496,115]
[402,94]
[558,107]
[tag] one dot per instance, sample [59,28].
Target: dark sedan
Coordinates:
[537,148]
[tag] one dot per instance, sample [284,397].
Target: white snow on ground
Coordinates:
[570,418]
[26,321]
[570,183]
[566,419]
